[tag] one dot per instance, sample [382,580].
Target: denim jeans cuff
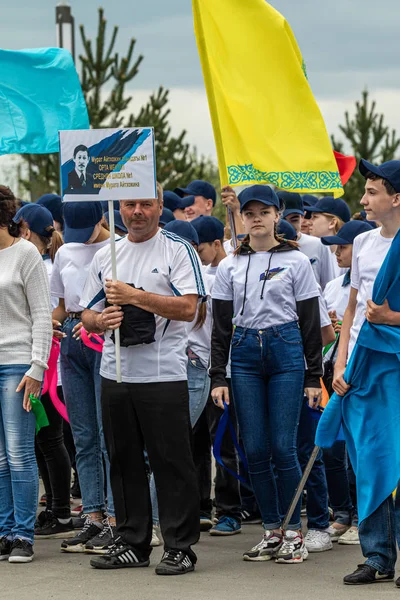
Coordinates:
[93,508]
[343,517]
[294,526]
[271,526]
[376,565]
[23,538]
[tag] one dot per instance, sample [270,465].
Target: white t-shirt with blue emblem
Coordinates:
[281,278]
[165,265]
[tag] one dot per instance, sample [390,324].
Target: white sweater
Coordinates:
[25,311]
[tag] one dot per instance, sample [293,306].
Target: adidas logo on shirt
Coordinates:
[155,270]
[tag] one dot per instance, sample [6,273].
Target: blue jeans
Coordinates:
[80,372]
[19,482]
[268,387]
[378,534]
[317,489]
[199,388]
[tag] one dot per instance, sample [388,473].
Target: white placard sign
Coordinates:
[107,164]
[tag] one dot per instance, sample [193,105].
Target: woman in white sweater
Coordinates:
[25,340]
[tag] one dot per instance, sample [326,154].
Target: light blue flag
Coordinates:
[40,94]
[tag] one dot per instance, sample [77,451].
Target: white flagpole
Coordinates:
[114,276]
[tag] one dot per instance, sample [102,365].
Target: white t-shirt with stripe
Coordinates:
[165,265]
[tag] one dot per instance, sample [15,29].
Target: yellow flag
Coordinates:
[267,125]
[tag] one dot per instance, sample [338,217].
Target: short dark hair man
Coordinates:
[160,283]
[79,179]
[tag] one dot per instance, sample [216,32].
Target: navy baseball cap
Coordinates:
[208,229]
[54,204]
[37,217]
[286,230]
[80,220]
[389,170]
[332,206]
[166,216]
[118,222]
[292,203]
[309,200]
[184,229]
[198,188]
[260,193]
[347,233]
[175,202]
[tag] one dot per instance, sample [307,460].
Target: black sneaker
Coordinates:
[21,552]
[78,522]
[76,489]
[42,517]
[53,529]
[77,543]
[398,582]
[120,556]
[250,518]
[365,574]
[174,562]
[5,548]
[103,541]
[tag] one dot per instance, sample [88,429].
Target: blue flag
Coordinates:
[40,94]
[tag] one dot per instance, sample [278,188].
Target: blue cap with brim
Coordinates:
[309,200]
[184,229]
[208,229]
[347,233]
[198,188]
[292,203]
[259,193]
[38,219]
[54,204]
[174,202]
[166,216]
[389,170]
[286,230]
[331,206]
[80,220]
[118,222]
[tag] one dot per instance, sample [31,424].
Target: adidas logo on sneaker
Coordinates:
[155,270]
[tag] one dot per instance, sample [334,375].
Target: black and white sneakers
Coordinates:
[365,574]
[120,556]
[21,552]
[266,549]
[77,543]
[102,543]
[175,562]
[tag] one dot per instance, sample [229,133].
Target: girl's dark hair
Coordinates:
[279,238]
[201,316]
[8,209]
[52,243]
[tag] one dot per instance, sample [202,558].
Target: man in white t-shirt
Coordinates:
[318,254]
[159,284]
[381,201]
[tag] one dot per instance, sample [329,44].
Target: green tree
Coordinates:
[104,78]
[368,137]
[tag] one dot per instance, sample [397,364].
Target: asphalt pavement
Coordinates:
[220,574]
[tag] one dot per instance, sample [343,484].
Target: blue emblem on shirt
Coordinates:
[272,273]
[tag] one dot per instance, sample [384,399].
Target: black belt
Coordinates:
[75,315]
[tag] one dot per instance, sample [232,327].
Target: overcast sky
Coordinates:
[347,45]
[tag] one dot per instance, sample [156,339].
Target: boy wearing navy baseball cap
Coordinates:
[177,204]
[205,198]
[210,231]
[381,201]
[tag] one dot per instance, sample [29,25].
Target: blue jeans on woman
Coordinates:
[19,481]
[336,468]
[268,386]
[80,372]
